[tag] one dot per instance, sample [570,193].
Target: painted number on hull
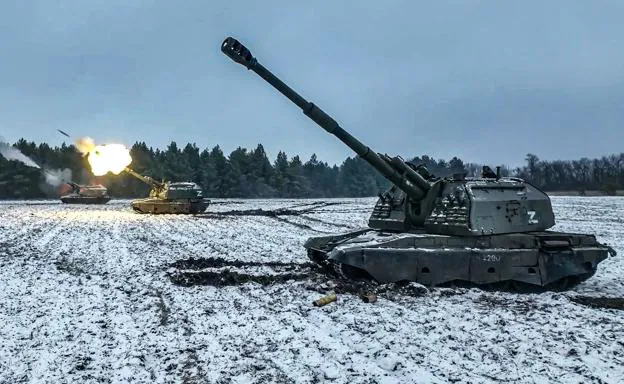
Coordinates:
[491,258]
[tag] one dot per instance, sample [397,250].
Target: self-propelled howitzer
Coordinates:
[483,230]
[85,194]
[167,197]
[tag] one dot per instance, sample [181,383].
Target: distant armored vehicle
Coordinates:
[167,197]
[482,230]
[86,194]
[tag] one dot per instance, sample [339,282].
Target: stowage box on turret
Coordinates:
[168,197]
[433,230]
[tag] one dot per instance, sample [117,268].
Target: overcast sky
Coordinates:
[488,81]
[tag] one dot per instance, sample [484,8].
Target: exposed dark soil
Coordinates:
[599,302]
[228,278]
[320,278]
[218,262]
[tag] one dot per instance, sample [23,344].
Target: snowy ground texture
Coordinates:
[89,294]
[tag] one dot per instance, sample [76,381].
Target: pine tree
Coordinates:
[250,173]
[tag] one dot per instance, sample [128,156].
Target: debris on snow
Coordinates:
[322,301]
[368,297]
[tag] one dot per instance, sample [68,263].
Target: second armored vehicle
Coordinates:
[431,230]
[168,197]
[86,194]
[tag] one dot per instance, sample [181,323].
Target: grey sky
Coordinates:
[488,81]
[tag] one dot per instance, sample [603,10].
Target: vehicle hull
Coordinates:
[535,258]
[85,199]
[160,206]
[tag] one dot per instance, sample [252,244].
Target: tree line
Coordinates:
[250,174]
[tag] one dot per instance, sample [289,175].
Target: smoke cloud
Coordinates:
[12,153]
[56,177]
[53,177]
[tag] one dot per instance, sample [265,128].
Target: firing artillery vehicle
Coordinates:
[167,197]
[86,194]
[488,230]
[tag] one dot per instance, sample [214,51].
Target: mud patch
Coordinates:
[192,271]
[599,302]
[229,278]
[319,278]
[218,262]
[72,267]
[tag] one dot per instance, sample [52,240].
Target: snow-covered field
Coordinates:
[92,294]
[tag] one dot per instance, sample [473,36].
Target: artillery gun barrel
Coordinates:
[411,175]
[406,181]
[146,179]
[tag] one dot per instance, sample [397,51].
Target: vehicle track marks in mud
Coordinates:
[313,205]
[51,234]
[286,211]
[218,262]
[227,278]
[348,210]
[300,225]
[191,272]
[254,212]
[599,302]
[278,214]
[274,214]
[327,222]
[55,202]
[227,203]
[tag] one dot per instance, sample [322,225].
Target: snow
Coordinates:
[87,295]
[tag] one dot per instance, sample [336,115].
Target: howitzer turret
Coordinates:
[433,230]
[85,194]
[75,188]
[167,197]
